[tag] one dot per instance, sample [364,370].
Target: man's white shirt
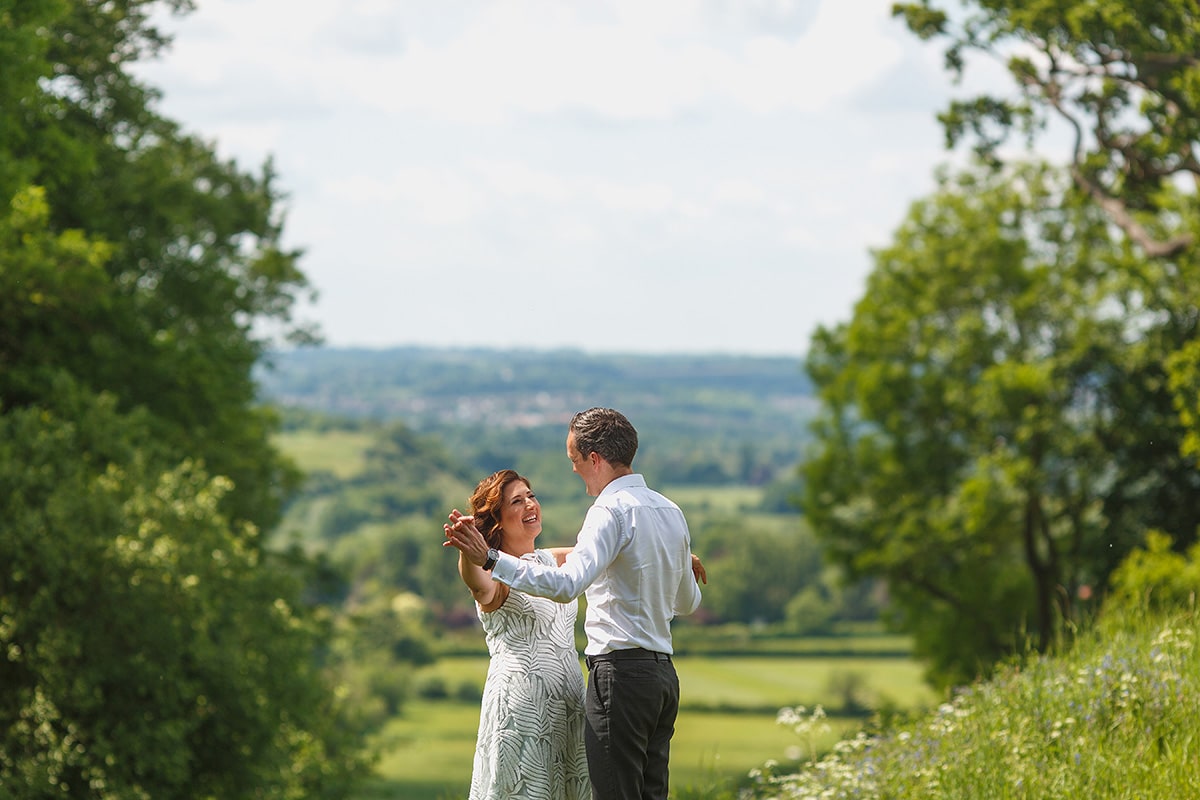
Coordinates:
[632,561]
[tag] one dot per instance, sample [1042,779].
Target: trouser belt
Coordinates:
[632,654]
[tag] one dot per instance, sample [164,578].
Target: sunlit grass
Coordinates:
[337,452]
[456,671]
[750,683]
[741,639]
[426,752]
[712,750]
[1116,719]
[722,499]
[773,682]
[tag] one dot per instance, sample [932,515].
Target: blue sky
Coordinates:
[655,176]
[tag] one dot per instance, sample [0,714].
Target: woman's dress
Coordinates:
[530,743]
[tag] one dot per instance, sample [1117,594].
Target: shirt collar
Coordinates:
[632,481]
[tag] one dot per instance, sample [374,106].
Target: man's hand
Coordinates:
[462,533]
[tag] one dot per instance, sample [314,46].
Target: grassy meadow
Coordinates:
[1114,718]
[726,728]
[336,452]
[733,681]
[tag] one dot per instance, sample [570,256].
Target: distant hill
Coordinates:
[751,410]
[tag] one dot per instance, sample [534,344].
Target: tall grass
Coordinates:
[1117,717]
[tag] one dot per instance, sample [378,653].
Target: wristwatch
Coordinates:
[493,557]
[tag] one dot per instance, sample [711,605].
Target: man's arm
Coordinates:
[595,549]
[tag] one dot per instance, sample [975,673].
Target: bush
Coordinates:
[1155,578]
[468,692]
[433,688]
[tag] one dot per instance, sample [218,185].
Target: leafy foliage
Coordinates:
[1044,415]
[150,646]
[998,432]
[143,636]
[761,568]
[1124,79]
[1123,76]
[1155,579]
[185,265]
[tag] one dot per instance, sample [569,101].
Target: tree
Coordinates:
[194,270]
[1124,77]
[762,567]
[151,645]
[149,650]
[997,428]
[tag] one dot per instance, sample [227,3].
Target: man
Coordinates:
[633,562]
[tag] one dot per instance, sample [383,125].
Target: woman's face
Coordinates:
[521,514]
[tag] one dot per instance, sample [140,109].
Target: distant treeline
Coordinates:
[701,418]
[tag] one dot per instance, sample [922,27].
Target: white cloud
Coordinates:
[642,61]
[424,195]
[636,66]
[717,154]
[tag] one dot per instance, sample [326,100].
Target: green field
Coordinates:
[338,452]
[726,728]
[715,499]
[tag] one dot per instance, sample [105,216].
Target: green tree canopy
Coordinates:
[194,271]
[148,650]
[1123,76]
[997,428]
[150,645]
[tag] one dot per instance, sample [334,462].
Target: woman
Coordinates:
[530,742]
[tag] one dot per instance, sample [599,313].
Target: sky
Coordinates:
[614,176]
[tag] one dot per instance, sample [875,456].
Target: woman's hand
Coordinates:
[698,570]
[462,533]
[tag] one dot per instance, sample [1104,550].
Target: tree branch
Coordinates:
[1120,215]
[1117,210]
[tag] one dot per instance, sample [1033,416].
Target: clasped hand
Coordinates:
[462,533]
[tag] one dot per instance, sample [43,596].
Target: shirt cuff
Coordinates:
[506,568]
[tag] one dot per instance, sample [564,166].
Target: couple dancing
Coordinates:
[541,735]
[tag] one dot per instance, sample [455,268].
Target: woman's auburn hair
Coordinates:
[486,501]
